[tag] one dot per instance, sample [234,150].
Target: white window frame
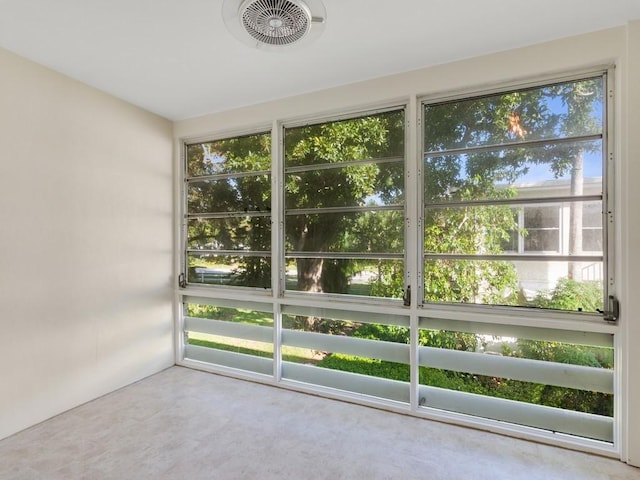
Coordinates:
[282,127]
[560,326]
[608,254]
[184,211]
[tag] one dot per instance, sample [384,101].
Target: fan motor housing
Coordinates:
[274,24]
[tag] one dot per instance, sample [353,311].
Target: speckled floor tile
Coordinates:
[185,424]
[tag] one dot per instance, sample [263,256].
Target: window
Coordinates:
[542,227]
[228,211]
[501,210]
[344,206]
[367,353]
[529,376]
[219,332]
[519,172]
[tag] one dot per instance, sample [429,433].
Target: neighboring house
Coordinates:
[543,229]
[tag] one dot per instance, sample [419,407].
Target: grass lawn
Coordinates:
[250,347]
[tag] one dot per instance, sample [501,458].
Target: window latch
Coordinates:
[182,283]
[612,312]
[406,298]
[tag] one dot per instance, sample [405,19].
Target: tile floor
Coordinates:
[185,424]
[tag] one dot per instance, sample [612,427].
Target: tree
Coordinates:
[241,195]
[580,100]
[475,151]
[347,185]
[472,174]
[487,136]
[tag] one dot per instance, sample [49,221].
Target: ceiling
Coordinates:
[177,59]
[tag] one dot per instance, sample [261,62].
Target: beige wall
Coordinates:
[629,141]
[617,46]
[85,243]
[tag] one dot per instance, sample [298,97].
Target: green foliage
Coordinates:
[335,275]
[317,324]
[366,366]
[365,138]
[384,232]
[565,353]
[572,295]
[470,230]
[247,189]
[435,377]
[532,114]
[429,338]
[448,339]
[237,315]
[477,175]
[467,281]
[389,280]
[387,333]
[558,397]
[579,400]
[208,311]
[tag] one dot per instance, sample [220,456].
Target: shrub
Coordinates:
[572,295]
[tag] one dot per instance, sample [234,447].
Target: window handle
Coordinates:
[406,298]
[613,310]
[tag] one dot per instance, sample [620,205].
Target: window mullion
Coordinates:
[277,209]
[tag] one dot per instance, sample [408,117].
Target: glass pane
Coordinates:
[233,155]
[357,185]
[572,286]
[515,172]
[554,111]
[369,137]
[231,233]
[592,214]
[209,269]
[592,239]
[248,193]
[365,232]
[467,379]
[375,278]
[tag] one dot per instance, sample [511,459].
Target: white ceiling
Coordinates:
[177,59]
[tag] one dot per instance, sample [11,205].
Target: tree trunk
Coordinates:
[310,274]
[575,215]
[310,280]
